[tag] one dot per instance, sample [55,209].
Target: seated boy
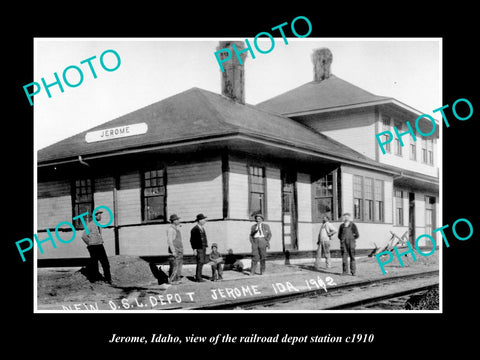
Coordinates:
[216,262]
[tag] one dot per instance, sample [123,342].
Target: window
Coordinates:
[357,197]
[154,195]
[430,151]
[424,150]
[256,179]
[386,126]
[368,199]
[323,197]
[413,151]
[83,199]
[398,147]
[378,195]
[399,207]
[387,122]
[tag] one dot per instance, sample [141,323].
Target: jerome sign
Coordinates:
[116,132]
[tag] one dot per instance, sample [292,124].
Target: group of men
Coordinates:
[260,235]
[347,234]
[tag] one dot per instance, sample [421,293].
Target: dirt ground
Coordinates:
[134,284]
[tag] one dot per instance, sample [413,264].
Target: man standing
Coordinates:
[327,230]
[260,236]
[175,248]
[348,234]
[93,239]
[198,240]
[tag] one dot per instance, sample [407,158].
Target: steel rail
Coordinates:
[379,299]
[270,300]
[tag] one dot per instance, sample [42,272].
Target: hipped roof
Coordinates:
[198,114]
[331,93]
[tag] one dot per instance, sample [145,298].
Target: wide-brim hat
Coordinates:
[215,245]
[174,217]
[259,214]
[200,217]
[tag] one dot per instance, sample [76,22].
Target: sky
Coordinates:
[408,70]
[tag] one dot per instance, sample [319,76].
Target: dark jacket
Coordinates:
[348,233]
[267,233]
[198,238]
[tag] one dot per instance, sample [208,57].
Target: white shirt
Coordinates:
[326,229]
[259,232]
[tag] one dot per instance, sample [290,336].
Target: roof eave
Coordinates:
[259,138]
[386,101]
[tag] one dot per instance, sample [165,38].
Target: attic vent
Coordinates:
[322,61]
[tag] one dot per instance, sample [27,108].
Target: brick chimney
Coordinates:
[322,61]
[233,78]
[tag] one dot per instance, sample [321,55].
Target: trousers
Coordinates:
[347,249]
[217,271]
[200,258]
[98,254]
[259,253]
[323,250]
[175,269]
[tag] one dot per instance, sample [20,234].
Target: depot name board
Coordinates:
[116,132]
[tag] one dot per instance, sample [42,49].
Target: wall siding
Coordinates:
[347,193]
[49,189]
[52,210]
[74,249]
[238,190]
[54,203]
[304,197]
[356,128]
[388,196]
[404,161]
[195,188]
[274,194]
[103,196]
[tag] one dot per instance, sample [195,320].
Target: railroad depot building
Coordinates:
[296,157]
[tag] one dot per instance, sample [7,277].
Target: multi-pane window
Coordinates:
[424,150]
[430,151]
[398,147]
[399,207]
[386,126]
[256,178]
[83,201]
[413,151]
[154,195]
[357,197]
[368,199]
[379,205]
[323,197]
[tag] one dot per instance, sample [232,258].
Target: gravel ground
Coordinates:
[61,288]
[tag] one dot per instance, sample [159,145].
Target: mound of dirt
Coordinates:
[127,271]
[130,271]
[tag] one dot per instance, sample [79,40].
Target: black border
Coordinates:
[87,334]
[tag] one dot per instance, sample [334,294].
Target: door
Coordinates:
[430,215]
[411,217]
[289,211]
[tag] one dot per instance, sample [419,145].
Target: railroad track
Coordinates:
[337,290]
[381,299]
